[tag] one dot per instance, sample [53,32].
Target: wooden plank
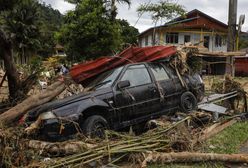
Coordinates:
[220,54]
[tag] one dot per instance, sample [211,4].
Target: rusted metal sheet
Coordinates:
[241,66]
[84,72]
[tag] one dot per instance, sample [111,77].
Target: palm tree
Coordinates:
[17,32]
[109,3]
[113,8]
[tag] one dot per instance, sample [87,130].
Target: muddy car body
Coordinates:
[119,98]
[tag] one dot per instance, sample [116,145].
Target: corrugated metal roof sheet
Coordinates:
[84,72]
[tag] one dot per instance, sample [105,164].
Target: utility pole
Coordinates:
[231,41]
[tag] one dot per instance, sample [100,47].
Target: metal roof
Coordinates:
[84,72]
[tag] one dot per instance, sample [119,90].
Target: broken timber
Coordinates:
[220,54]
[19,110]
[188,157]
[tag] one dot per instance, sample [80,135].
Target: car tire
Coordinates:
[188,102]
[94,126]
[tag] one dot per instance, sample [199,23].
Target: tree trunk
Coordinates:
[113,10]
[60,148]
[10,68]
[19,110]
[187,157]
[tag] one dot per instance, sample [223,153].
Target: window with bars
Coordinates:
[172,38]
[220,41]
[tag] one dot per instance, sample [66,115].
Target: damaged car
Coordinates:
[119,98]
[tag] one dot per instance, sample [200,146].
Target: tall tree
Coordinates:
[22,23]
[109,4]
[163,10]
[89,32]
[16,31]
[129,33]
[113,8]
[51,21]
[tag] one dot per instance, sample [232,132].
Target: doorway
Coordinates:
[206,41]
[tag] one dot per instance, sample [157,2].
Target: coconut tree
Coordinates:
[18,32]
[113,8]
[110,4]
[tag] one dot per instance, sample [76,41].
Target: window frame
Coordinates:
[220,40]
[154,77]
[126,68]
[146,40]
[172,38]
[188,36]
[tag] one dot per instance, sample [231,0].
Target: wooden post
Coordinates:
[232,19]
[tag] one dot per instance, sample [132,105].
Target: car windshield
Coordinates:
[106,79]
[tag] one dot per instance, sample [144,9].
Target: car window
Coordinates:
[137,75]
[106,79]
[159,72]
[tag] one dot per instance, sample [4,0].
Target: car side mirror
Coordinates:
[123,84]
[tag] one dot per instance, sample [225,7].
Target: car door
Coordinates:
[179,88]
[136,100]
[165,84]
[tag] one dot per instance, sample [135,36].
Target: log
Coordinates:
[60,148]
[19,110]
[188,157]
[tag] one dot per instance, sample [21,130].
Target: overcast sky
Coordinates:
[215,8]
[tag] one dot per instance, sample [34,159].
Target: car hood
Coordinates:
[75,99]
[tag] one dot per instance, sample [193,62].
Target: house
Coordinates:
[195,27]
[59,51]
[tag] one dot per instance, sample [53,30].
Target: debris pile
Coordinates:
[176,138]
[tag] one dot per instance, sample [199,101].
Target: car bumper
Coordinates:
[55,129]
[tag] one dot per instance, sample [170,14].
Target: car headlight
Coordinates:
[47,115]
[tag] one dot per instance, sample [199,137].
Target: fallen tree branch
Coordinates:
[188,157]
[19,110]
[60,148]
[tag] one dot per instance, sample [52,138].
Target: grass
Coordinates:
[228,141]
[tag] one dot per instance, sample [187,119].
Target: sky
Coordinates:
[215,8]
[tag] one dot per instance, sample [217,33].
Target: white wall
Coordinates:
[194,38]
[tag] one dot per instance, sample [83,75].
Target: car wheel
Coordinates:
[94,126]
[188,102]
[200,95]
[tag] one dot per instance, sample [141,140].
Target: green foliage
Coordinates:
[51,21]
[165,9]
[229,140]
[22,26]
[7,4]
[110,5]
[74,1]
[89,32]
[36,64]
[243,43]
[30,26]
[113,8]
[129,33]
